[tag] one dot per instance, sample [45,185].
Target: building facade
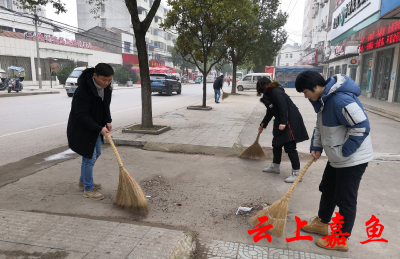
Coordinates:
[114,14]
[289,55]
[18,50]
[374,28]
[15,23]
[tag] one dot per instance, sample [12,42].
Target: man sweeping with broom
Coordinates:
[89,122]
[342,130]
[288,129]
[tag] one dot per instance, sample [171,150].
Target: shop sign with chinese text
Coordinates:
[339,50]
[350,13]
[60,40]
[381,37]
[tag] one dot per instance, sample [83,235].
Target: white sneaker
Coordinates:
[273,168]
[293,177]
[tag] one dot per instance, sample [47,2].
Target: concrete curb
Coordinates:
[26,94]
[382,112]
[153,132]
[193,149]
[185,248]
[123,142]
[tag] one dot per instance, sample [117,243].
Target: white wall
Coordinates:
[287,50]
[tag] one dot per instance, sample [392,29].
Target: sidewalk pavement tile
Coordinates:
[228,250]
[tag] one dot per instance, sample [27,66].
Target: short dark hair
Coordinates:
[261,84]
[309,80]
[103,69]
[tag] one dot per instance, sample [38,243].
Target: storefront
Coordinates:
[342,60]
[378,42]
[17,49]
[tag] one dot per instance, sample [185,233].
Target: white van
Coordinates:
[249,81]
[72,81]
[210,79]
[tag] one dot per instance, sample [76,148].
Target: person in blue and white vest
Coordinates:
[343,132]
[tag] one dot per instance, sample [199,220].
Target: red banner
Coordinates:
[130,59]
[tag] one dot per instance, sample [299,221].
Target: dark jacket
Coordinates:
[280,106]
[89,114]
[218,83]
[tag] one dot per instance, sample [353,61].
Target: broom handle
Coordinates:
[115,150]
[299,177]
[259,133]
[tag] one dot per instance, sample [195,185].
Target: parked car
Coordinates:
[164,83]
[250,80]
[210,79]
[198,80]
[72,81]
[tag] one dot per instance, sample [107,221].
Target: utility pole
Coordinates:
[38,68]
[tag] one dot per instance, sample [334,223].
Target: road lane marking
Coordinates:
[61,123]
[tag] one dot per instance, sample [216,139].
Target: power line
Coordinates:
[288,6]
[293,7]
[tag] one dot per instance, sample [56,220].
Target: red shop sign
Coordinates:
[339,50]
[381,42]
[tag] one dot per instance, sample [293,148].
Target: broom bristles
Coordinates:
[255,151]
[129,193]
[224,95]
[276,214]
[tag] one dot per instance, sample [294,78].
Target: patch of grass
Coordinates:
[139,127]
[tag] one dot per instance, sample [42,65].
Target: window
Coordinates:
[5,28]
[139,11]
[291,55]
[286,55]
[155,31]
[155,19]
[151,3]
[287,64]
[20,31]
[337,70]
[255,78]
[103,22]
[344,69]
[127,47]
[247,78]
[103,8]
[165,11]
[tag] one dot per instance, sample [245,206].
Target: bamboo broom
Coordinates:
[277,212]
[224,95]
[255,151]
[129,193]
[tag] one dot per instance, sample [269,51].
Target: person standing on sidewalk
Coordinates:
[288,128]
[342,130]
[89,122]
[229,81]
[218,83]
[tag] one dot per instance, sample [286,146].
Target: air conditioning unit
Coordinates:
[326,1]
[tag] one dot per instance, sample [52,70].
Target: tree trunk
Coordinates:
[234,67]
[147,113]
[205,83]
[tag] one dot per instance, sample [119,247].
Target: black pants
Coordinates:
[339,187]
[290,149]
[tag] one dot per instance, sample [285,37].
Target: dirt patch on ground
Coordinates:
[26,255]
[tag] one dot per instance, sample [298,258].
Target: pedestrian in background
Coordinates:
[229,81]
[218,83]
[342,130]
[288,128]
[89,122]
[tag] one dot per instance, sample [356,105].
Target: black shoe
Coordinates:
[216,102]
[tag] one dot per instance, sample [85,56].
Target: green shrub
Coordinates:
[65,71]
[121,75]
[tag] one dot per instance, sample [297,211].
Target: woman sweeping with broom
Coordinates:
[288,126]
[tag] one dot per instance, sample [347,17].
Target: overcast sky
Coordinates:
[294,26]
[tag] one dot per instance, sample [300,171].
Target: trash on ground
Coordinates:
[148,196]
[243,209]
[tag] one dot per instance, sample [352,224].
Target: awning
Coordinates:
[340,58]
[151,45]
[16,68]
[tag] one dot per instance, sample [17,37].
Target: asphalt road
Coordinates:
[35,124]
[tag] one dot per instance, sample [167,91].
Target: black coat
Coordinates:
[89,114]
[218,83]
[280,106]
